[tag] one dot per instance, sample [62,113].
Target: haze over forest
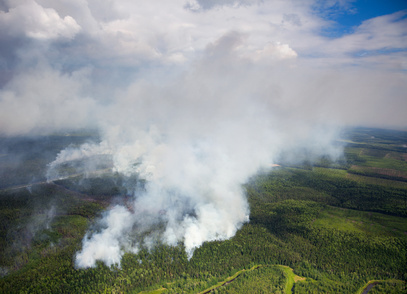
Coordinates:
[195,97]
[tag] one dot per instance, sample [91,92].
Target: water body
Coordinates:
[369,287]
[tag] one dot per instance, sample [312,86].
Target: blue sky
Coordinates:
[359,11]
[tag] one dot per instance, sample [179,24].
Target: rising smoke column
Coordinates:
[194,122]
[195,141]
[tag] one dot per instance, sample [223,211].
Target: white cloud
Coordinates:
[35,21]
[202,5]
[131,33]
[158,41]
[383,35]
[276,50]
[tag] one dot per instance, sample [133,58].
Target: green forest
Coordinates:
[315,227]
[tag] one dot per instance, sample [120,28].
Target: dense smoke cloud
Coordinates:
[195,141]
[42,100]
[191,98]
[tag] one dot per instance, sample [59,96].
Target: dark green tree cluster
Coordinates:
[300,217]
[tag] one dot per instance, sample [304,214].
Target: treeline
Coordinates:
[33,220]
[373,174]
[332,190]
[281,233]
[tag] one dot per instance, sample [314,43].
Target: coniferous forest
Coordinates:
[315,227]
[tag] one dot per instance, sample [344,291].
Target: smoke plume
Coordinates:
[192,143]
[191,98]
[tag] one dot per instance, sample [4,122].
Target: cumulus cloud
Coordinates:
[385,33]
[277,51]
[198,5]
[34,21]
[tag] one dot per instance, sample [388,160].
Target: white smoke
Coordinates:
[196,140]
[107,245]
[84,160]
[191,98]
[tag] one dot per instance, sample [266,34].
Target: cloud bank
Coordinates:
[191,98]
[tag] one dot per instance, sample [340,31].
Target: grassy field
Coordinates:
[228,280]
[291,278]
[369,223]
